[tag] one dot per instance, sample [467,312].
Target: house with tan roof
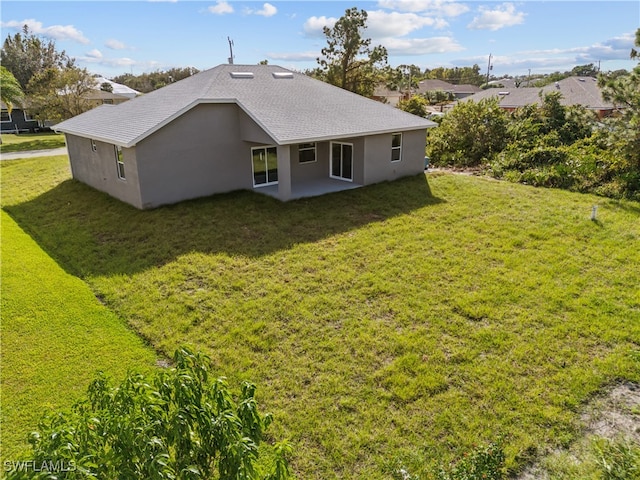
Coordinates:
[574,90]
[234,127]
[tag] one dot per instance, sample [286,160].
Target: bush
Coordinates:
[174,425]
[469,135]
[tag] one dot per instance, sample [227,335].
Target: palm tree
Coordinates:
[10,91]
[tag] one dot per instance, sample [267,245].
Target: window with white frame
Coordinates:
[120,163]
[6,116]
[396,147]
[307,152]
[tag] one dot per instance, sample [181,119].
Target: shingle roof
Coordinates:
[575,91]
[289,106]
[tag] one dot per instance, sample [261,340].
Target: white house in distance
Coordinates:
[256,127]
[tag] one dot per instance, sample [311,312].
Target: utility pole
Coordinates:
[230,51]
[489,68]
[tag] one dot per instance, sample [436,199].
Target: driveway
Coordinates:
[34,153]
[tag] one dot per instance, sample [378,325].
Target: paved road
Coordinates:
[34,153]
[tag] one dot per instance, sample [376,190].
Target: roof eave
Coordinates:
[327,138]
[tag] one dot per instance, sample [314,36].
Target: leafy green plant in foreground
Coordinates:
[175,425]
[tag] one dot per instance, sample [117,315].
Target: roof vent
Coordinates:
[282,74]
[241,74]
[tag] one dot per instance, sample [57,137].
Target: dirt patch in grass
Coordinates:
[613,415]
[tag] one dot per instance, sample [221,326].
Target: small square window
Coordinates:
[307,152]
[396,147]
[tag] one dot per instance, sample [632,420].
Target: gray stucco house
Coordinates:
[257,127]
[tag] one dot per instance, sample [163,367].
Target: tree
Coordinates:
[416,105]
[457,75]
[10,90]
[57,94]
[624,138]
[148,82]
[403,78]
[469,134]
[26,55]
[348,61]
[175,424]
[589,70]
[106,87]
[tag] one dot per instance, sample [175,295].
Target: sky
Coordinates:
[520,37]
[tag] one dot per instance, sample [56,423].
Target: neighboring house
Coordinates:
[100,97]
[20,121]
[118,88]
[258,127]
[384,94]
[119,93]
[457,91]
[16,121]
[392,97]
[575,91]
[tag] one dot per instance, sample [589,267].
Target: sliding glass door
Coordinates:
[341,161]
[265,166]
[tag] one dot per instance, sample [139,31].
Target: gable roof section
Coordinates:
[290,107]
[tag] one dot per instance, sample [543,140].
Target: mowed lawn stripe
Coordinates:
[55,337]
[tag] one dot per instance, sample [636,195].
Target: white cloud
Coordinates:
[382,24]
[220,8]
[314,25]
[294,56]
[95,57]
[115,44]
[94,54]
[421,46]
[557,59]
[267,10]
[56,32]
[504,15]
[444,8]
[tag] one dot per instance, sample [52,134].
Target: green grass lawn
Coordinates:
[30,141]
[393,325]
[55,336]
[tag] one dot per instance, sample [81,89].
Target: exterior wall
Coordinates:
[99,168]
[205,151]
[18,121]
[321,167]
[379,166]
[311,170]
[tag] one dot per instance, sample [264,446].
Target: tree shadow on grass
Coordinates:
[89,233]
